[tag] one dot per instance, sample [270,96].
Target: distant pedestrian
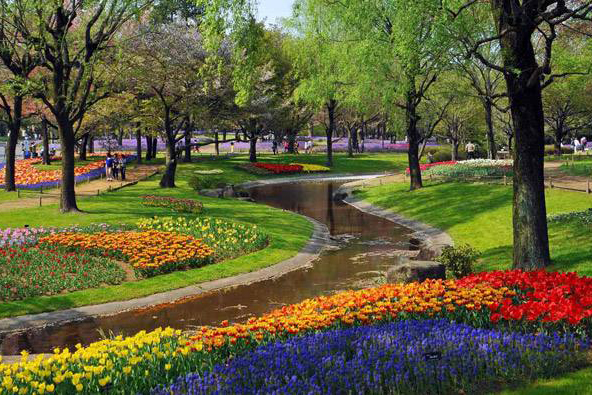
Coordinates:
[274,147]
[470,148]
[232,147]
[115,167]
[286,146]
[584,142]
[122,166]
[576,145]
[109,167]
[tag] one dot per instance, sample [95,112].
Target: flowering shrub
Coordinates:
[279,169]
[472,168]
[150,252]
[584,217]
[561,301]
[388,358]
[27,272]
[310,168]
[227,239]
[175,204]
[426,166]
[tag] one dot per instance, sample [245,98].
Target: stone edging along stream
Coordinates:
[431,238]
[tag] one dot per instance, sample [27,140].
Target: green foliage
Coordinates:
[206,182]
[459,260]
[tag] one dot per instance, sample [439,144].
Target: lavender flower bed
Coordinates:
[389,358]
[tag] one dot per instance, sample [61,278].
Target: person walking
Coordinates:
[576,145]
[274,147]
[470,148]
[109,167]
[115,167]
[122,165]
[584,142]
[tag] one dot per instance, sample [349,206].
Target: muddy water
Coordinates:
[365,246]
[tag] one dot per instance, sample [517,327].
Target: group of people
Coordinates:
[580,145]
[115,167]
[307,147]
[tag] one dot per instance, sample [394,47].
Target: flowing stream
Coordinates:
[365,246]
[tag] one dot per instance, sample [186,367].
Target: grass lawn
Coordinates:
[582,167]
[288,233]
[481,215]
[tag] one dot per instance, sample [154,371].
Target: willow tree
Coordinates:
[71,37]
[518,26]
[400,46]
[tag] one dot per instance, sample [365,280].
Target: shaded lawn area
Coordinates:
[576,383]
[288,233]
[481,215]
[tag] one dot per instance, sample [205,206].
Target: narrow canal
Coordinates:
[365,246]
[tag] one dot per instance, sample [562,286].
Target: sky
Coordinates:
[273,9]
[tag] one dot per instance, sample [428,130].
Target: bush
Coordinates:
[444,153]
[206,182]
[459,260]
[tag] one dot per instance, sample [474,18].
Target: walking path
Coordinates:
[555,178]
[92,188]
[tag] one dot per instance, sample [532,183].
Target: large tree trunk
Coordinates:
[67,141]
[138,144]
[455,144]
[83,145]
[168,178]
[187,157]
[148,148]
[46,158]
[331,106]
[253,148]
[14,129]
[531,241]
[154,146]
[91,145]
[291,135]
[413,139]
[217,142]
[491,148]
[350,146]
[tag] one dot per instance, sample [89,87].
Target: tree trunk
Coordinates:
[253,148]
[120,137]
[454,150]
[83,145]
[68,193]
[413,140]
[491,148]
[91,145]
[14,129]
[187,157]
[350,148]
[154,146]
[217,142]
[291,140]
[46,159]
[168,178]
[531,241]
[148,148]
[138,144]
[331,106]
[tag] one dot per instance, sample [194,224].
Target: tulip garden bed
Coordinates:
[278,168]
[434,337]
[467,168]
[49,261]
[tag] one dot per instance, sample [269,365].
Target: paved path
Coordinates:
[91,188]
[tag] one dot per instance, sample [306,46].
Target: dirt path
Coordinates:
[91,188]
[555,178]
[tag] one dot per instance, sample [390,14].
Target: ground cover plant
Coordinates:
[389,358]
[28,271]
[175,204]
[226,238]
[150,252]
[583,217]
[151,360]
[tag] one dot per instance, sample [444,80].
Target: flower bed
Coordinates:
[472,168]
[150,252]
[584,217]
[426,166]
[27,272]
[28,176]
[310,168]
[279,169]
[175,204]
[137,364]
[388,358]
[227,239]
